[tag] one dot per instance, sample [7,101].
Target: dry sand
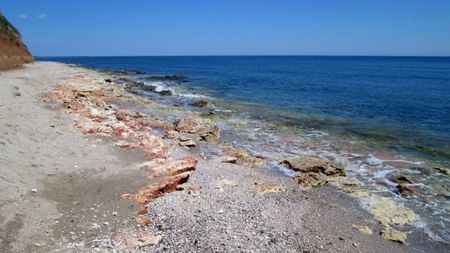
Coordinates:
[60,192]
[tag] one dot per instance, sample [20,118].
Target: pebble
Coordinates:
[34,190]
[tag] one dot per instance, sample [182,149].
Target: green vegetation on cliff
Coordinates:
[7,28]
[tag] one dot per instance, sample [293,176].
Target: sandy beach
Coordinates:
[83,170]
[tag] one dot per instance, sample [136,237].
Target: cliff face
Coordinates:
[13,52]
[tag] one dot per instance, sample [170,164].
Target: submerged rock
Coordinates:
[402,179]
[445,171]
[407,190]
[201,103]
[166,93]
[176,76]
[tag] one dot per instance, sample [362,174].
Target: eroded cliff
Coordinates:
[13,52]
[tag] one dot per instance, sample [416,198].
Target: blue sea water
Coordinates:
[403,102]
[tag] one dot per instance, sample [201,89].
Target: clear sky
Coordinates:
[232,27]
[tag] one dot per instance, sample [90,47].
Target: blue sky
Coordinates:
[232,27]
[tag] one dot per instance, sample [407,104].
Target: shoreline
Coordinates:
[65,163]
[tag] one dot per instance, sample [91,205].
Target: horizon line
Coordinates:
[239,55]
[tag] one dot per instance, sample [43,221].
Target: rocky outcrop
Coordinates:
[315,171]
[13,52]
[206,129]
[176,173]
[314,164]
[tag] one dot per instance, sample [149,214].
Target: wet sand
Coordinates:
[61,191]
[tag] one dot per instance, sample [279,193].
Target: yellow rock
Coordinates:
[348,185]
[363,229]
[388,212]
[268,187]
[393,235]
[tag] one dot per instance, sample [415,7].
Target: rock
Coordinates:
[205,129]
[393,235]
[402,179]
[406,189]
[147,87]
[151,164]
[108,80]
[227,159]
[187,143]
[172,167]
[311,179]
[184,138]
[348,185]
[363,229]
[123,144]
[34,190]
[189,125]
[268,187]
[176,76]
[314,164]
[225,182]
[201,103]
[176,172]
[165,93]
[150,192]
[445,171]
[172,134]
[242,156]
[212,134]
[147,239]
[387,212]
[142,219]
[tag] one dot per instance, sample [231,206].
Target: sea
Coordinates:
[381,116]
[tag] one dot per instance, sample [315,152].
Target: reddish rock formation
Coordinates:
[13,52]
[176,172]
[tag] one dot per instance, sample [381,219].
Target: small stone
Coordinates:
[188,143]
[34,190]
[393,235]
[227,159]
[114,213]
[268,187]
[363,229]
